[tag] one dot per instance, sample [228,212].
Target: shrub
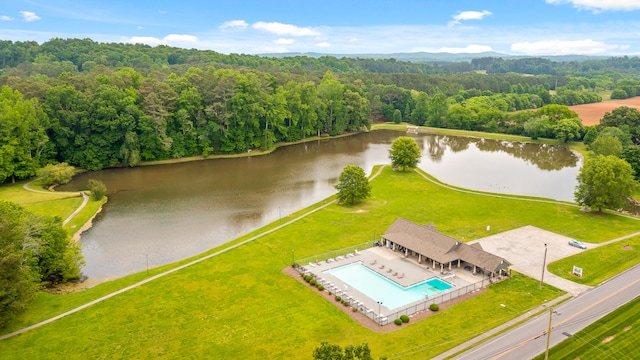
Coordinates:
[56,174]
[397,322]
[307,278]
[354,309]
[313,282]
[404,318]
[320,287]
[338,298]
[345,303]
[434,307]
[98,189]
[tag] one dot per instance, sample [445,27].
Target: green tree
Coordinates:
[568,129]
[59,256]
[605,182]
[397,116]
[632,156]
[353,185]
[22,135]
[18,276]
[590,135]
[98,188]
[537,127]
[404,153]
[606,144]
[57,174]
[625,118]
[556,112]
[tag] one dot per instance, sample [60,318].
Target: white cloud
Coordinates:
[470,49]
[323,44]
[234,25]
[29,16]
[469,15]
[171,39]
[149,40]
[6,18]
[284,41]
[140,27]
[284,29]
[601,5]
[563,47]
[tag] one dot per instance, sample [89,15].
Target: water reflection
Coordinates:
[170,212]
[545,157]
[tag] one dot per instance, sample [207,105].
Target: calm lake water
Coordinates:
[165,213]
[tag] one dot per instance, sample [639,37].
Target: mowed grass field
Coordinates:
[239,304]
[601,263]
[51,203]
[615,336]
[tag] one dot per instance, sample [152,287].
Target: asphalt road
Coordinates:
[529,339]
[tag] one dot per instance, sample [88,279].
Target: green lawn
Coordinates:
[601,263]
[239,304]
[51,203]
[613,337]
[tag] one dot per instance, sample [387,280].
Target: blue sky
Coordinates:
[519,27]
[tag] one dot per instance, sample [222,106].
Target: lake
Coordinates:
[164,213]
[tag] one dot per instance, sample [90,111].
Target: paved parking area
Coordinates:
[524,248]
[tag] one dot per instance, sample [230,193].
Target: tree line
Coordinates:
[75,101]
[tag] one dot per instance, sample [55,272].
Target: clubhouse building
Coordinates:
[440,252]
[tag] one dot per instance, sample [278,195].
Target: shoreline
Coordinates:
[88,224]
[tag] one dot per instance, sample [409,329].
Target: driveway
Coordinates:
[524,248]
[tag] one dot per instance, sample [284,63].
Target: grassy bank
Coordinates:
[615,336]
[239,304]
[51,203]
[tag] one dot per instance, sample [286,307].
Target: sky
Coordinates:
[515,27]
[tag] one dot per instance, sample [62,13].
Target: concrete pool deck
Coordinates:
[393,266]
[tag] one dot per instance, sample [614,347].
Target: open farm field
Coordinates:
[592,113]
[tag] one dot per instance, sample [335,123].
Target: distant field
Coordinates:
[592,113]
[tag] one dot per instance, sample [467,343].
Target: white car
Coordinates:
[578,244]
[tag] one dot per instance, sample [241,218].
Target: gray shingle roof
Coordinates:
[426,240]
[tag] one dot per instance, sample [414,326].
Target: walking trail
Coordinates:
[85,198]
[108,296]
[140,283]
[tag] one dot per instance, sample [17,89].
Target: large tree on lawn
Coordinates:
[353,185]
[605,182]
[404,153]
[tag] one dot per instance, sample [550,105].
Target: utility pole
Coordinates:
[546,352]
[544,264]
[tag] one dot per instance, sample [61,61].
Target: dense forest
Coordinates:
[95,105]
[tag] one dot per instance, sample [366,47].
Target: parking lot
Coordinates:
[525,247]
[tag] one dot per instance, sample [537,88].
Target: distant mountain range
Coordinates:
[437,57]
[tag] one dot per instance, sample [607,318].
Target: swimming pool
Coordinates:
[379,288]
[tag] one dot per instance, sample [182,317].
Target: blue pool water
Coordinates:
[379,288]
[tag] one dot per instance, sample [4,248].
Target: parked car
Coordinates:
[578,244]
